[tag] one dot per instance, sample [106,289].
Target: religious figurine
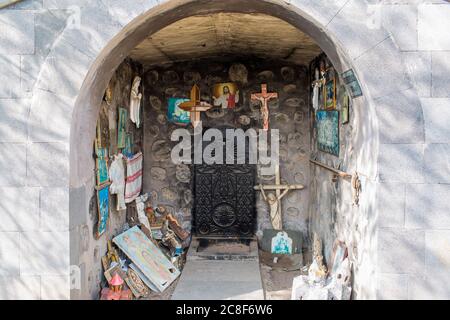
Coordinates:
[140,207]
[274,200]
[135,102]
[274,205]
[264,98]
[317,271]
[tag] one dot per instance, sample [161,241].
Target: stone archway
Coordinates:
[82,61]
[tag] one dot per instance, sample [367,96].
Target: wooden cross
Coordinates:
[195,106]
[276,203]
[264,98]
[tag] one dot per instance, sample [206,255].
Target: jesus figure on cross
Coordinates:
[264,98]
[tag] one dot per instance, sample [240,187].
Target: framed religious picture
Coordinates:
[102,170]
[345,109]
[153,267]
[103,209]
[226,95]
[128,150]
[122,128]
[177,115]
[328,131]
[352,83]
[329,91]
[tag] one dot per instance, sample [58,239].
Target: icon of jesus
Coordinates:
[228,99]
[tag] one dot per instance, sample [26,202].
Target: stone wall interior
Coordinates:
[90,98]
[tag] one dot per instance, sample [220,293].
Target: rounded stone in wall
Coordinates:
[299,178]
[292,212]
[299,117]
[170,77]
[161,150]
[292,197]
[290,88]
[244,120]
[274,104]
[172,92]
[152,76]
[238,73]
[169,195]
[158,173]
[215,113]
[282,118]
[288,74]
[266,75]
[191,77]
[212,80]
[156,103]
[294,102]
[153,130]
[187,196]
[183,173]
[162,119]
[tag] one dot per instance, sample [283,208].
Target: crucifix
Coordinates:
[274,200]
[195,106]
[264,97]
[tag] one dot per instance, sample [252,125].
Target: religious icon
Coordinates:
[328,131]
[226,95]
[128,150]
[177,115]
[345,111]
[264,98]
[281,243]
[157,270]
[102,170]
[274,205]
[103,209]
[330,90]
[122,128]
[352,83]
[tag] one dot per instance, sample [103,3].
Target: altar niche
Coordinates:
[236,208]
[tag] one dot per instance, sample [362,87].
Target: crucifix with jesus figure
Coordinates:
[274,200]
[264,97]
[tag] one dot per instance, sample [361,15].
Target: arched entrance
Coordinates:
[101,46]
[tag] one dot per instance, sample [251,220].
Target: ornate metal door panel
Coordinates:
[224,200]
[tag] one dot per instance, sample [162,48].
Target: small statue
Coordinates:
[274,205]
[135,102]
[317,271]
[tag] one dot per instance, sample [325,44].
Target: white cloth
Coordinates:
[117,176]
[135,102]
[316,97]
[134,178]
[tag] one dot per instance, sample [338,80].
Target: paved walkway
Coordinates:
[215,275]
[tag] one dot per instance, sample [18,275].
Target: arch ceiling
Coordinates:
[217,35]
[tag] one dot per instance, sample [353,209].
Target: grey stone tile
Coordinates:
[13,119]
[441,71]
[418,64]
[427,206]
[401,163]
[391,205]
[16,32]
[392,286]
[433,24]
[437,160]
[19,209]
[9,254]
[13,164]
[401,251]
[437,117]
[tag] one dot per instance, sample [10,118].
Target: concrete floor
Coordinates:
[213,273]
